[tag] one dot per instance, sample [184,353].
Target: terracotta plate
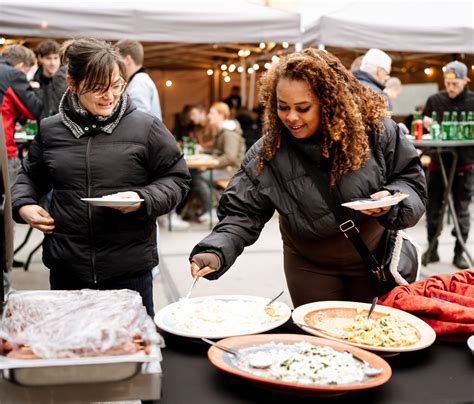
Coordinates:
[228,363]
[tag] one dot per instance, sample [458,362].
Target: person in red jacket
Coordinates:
[17,97]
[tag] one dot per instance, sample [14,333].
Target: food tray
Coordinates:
[51,372]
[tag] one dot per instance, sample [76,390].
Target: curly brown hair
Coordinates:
[349,110]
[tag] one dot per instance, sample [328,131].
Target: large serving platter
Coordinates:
[305,313]
[228,363]
[221,316]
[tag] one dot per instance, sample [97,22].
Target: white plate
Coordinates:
[170,318]
[111,202]
[426,334]
[368,203]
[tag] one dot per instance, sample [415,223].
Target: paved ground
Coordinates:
[258,271]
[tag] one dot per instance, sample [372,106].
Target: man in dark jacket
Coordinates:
[374,70]
[50,76]
[456,97]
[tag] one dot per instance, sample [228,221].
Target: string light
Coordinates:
[168,83]
[240,69]
[285,44]
[223,67]
[267,65]
[256,66]
[250,70]
[44,24]
[262,45]
[232,68]
[225,74]
[210,72]
[241,53]
[428,71]
[275,59]
[227,79]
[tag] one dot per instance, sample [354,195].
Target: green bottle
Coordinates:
[463,129]
[470,121]
[435,128]
[445,126]
[453,133]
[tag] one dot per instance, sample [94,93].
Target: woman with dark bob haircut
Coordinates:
[319,122]
[99,144]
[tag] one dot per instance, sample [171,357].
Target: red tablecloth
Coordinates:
[452,318]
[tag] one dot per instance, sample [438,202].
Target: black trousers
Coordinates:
[462,190]
[141,283]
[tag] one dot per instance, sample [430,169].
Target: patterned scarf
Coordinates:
[81,122]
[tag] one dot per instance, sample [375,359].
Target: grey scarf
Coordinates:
[81,122]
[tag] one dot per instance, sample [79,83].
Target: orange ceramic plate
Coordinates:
[227,363]
[309,313]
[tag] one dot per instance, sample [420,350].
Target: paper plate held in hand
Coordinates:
[369,203]
[111,202]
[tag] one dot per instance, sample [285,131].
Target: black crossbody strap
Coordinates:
[346,224]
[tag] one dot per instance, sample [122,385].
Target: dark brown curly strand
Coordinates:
[349,110]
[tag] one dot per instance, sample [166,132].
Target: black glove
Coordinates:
[207,259]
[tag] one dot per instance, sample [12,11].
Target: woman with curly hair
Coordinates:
[317,111]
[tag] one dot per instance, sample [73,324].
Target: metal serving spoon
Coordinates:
[337,334]
[368,369]
[372,307]
[253,362]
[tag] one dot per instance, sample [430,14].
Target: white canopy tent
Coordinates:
[442,27]
[186,21]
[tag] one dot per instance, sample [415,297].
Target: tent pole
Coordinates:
[243,82]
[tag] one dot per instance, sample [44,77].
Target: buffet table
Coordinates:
[442,373]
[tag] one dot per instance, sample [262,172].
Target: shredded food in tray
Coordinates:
[224,316]
[302,363]
[385,331]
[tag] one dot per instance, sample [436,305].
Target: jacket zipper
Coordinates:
[89,210]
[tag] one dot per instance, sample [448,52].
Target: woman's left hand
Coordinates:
[127,195]
[377,211]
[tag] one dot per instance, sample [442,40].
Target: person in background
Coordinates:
[200,129]
[249,125]
[456,97]
[228,147]
[50,76]
[393,88]
[99,144]
[315,110]
[234,100]
[17,97]
[141,88]
[374,69]
[6,222]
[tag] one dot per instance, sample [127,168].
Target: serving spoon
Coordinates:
[372,307]
[257,363]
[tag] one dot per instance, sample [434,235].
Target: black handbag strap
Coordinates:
[347,226]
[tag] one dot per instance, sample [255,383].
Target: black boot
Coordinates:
[432,257]
[459,261]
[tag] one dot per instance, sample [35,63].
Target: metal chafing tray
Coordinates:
[101,369]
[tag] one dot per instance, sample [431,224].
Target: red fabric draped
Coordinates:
[453,319]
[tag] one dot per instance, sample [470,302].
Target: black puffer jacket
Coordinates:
[96,243]
[251,199]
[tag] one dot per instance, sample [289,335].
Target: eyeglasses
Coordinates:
[116,90]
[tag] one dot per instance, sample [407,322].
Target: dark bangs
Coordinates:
[99,70]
